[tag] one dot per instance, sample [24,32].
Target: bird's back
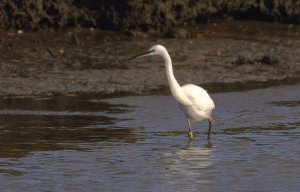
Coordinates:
[202,104]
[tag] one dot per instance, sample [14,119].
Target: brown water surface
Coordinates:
[139,143]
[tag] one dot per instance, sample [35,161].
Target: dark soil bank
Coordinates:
[223,56]
[133,16]
[63,46]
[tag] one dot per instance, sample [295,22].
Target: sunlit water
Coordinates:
[86,143]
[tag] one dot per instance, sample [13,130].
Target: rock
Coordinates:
[263,60]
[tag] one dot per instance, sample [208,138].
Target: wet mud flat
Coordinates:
[92,61]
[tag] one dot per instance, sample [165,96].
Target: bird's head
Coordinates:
[154,50]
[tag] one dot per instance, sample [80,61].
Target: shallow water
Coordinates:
[139,143]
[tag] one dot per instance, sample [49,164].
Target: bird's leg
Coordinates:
[190,133]
[209,128]
[190,128]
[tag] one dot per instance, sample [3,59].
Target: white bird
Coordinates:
[193,100]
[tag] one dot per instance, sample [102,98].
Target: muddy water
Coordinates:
[139,143]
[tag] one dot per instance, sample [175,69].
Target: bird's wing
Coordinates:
[199,98]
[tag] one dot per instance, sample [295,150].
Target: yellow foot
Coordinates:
[191,135]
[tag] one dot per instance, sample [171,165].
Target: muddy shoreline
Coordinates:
[228,54]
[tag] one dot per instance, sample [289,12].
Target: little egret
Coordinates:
[193,100]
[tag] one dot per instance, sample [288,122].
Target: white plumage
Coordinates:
[193,100]
[201,104]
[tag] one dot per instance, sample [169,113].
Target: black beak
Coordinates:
[141,54]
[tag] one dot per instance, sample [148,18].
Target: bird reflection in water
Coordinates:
[190,160]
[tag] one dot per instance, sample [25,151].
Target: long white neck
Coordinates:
[176,90]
